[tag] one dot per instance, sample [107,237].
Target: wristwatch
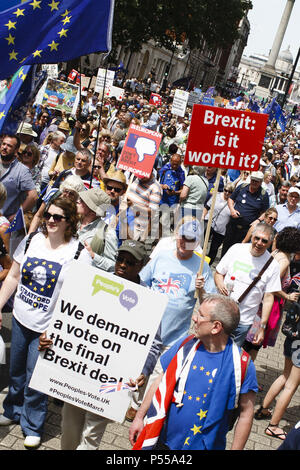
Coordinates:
[263,326]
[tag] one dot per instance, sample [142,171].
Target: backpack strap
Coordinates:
[79,250]
[30,237]
[245,361]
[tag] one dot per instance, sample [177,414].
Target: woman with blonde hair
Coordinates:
[270,217]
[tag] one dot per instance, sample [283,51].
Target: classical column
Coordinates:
[280,35]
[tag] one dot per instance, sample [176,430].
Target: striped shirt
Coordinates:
[146,193]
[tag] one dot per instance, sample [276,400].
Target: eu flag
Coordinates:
[280,117]
[52,31]
[14,98]
[17,223]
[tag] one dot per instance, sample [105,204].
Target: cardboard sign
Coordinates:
[102,329]
[155,99]
[109,81]
[194,97]
[51,69]
[73,75]
[139,151]
[60,95]
[225,138]
[114,91]
[179,102]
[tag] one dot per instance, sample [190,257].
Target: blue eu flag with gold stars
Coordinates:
[52,31]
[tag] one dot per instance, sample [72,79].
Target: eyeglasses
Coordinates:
[55,217]
[113,188]
[272,218]
[25,152]
[263,240]
[121,259]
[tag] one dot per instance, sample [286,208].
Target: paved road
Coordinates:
[269,363]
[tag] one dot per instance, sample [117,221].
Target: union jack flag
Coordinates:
[169,286]
[163,397]
[289,280]
[117,387]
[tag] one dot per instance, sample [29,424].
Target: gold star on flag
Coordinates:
[186,442]
[197,398]
[65,13]
[37,53]
[36,4]
[2,115]
[63,32]
[196,429]
[19,12]
[53,46]
[53,272]
[190,397]
[28,264]
[53,5]
[201,368]
[208,373]
[11,25]
[42,289]
[202,414]
[66,20]
[49,286]
[24,76]
[44,262]
[10,39]
[194,367]
[21,62]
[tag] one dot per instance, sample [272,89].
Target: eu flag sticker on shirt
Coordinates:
[40,276]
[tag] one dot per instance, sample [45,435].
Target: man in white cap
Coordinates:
[174,272]
[246,204]
[289,212]
[295,167]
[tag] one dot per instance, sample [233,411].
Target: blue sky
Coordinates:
[264,20]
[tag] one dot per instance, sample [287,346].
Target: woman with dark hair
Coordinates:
[40,265]
[30,157]
[286,242]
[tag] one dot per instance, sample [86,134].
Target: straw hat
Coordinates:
[26,128]
[115,175]
[64,126]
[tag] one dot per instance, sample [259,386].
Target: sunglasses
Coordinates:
[55,217]
[122,259]
[263,240]
[25,152]
[272,218]
[227,191]
[112,188]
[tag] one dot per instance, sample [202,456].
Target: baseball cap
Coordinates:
[257,175]
[136,248]
[191,230]
[294,189]
[296,157]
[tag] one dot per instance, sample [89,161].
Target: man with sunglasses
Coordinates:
[244,261]
[121,221]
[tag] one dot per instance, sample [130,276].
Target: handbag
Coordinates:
[291,325]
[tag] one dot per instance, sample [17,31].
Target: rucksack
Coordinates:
[235,413]
[291,325]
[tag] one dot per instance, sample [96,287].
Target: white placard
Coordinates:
[51,69]
[194,98]
[115,91]
[110,75]
[179,102]
[102,330]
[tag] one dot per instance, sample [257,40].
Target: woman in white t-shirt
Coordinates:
[39,268]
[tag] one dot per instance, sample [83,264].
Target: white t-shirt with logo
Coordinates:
[239,262]
[42,273]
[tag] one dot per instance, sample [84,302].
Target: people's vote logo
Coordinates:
[127,298]
[40,276]
[142,145]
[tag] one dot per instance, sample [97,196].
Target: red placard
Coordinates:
[155,99]
[139,151]
[225,138]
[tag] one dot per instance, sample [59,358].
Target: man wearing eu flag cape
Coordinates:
[205,376]
[52,31]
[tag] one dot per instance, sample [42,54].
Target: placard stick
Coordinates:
[207,233]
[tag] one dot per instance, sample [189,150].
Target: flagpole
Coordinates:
[99,123]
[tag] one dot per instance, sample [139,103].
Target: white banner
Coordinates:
[110,75]
[102,330]
[179,102]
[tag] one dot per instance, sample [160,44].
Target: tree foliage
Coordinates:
[172,22]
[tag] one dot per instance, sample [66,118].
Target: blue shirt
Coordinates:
[287,219]
[250,205]
[17,180]
[174,179]
[167,274]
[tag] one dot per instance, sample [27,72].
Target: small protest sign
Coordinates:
[115,91]
[139,151]
[51,69]
[179,102]
[155,99]
[102,329]
[104,77]
[225,138]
